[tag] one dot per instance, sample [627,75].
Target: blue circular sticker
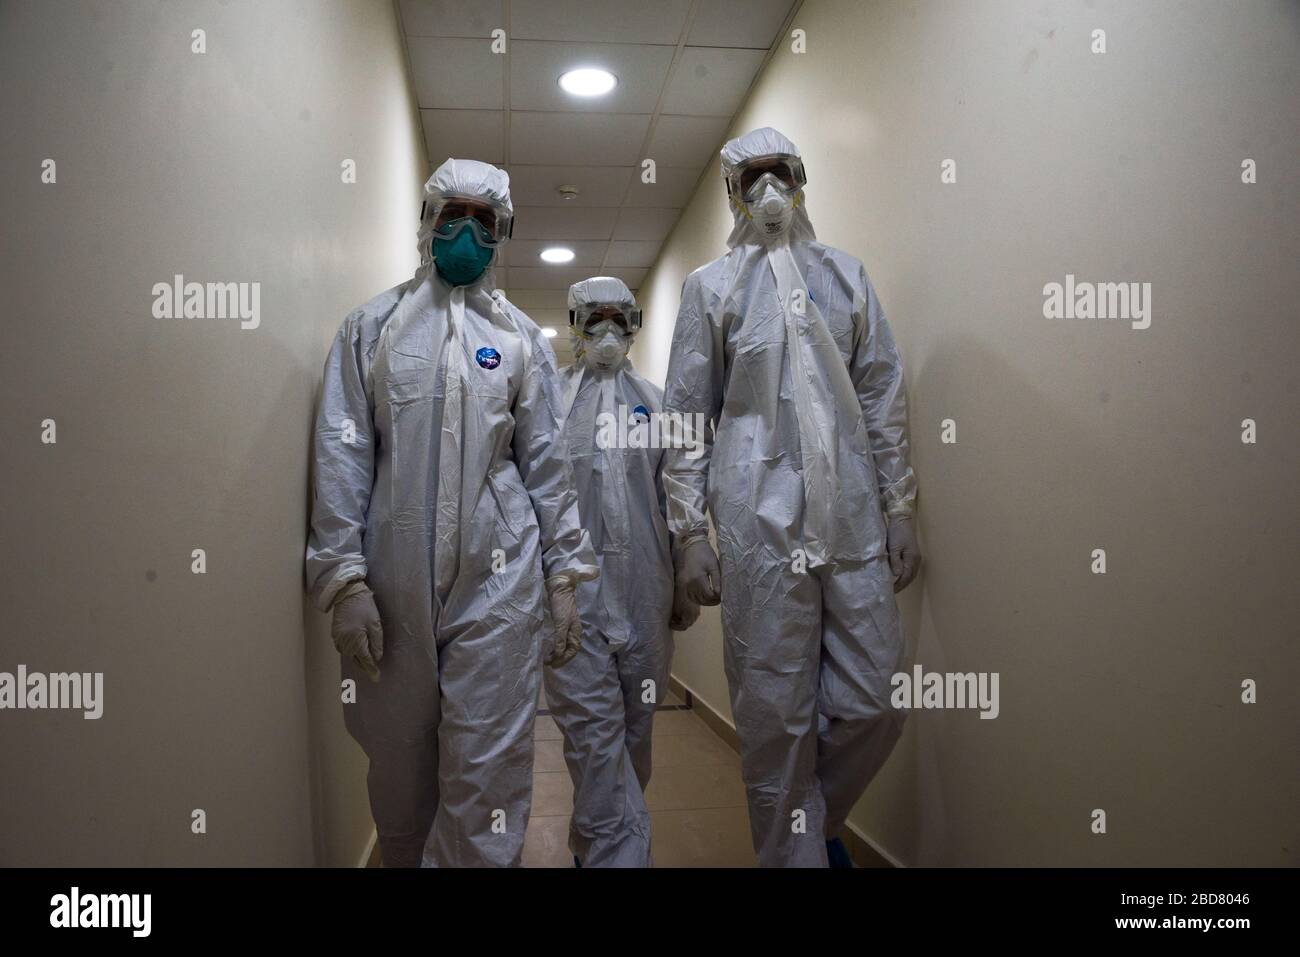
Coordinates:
[488,357]
[640,414]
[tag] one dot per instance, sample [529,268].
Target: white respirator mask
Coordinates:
[607,347]
[772,212]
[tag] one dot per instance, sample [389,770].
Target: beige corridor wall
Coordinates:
[182,434]
[1121,691]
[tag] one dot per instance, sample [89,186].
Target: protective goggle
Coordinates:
[453,228]
[497,223]
[745,183]
[582,319]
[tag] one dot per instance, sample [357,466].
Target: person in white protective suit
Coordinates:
[444,518]
[783,346]
[604,700]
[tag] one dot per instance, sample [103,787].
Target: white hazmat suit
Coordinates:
[783,346]
[604,699]
[442,480]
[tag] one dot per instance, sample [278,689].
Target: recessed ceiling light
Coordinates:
[588,82]
[557,254]
[548,332]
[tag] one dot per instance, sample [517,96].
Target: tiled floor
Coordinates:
[696,799]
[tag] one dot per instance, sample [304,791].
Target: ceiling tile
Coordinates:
[632,253]
[588,253]
[673,186]
[457,74]
[555,318]
[687,140]
[597,185]
[541,299]
[738,23]
[596,139]
[709,81]
[464,134]
[645,223]
[610,21]
[633,277]
[564,222]
[451,18]
[616,224]
[547,277]
[535,70]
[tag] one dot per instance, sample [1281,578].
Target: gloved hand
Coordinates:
[904,552]
[564,616]
[698,575]
[356,628]
[685,611]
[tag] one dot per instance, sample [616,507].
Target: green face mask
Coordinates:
[459,253]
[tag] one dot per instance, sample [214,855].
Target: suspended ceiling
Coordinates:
[683,69]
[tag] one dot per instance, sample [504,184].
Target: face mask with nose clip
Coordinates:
[772,212]
[467,231]
[767,190]
[459,252]
[605,330]
[606,343]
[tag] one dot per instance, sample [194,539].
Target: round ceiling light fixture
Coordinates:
[588,81]
[557,254]
[548,332]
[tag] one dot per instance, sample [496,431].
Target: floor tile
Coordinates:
[552,793]
[546,844]
[699,787]
[705,837]
[693,751]
[548,755]
[680,722]
[546,729]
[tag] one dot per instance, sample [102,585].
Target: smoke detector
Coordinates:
[567,192]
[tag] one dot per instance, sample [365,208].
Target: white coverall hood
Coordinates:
[764,141]
[597,289]
[461,177]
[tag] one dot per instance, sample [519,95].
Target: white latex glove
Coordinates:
[685,611]
[698,575]
[904,552]
[356,628]
[564,616]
